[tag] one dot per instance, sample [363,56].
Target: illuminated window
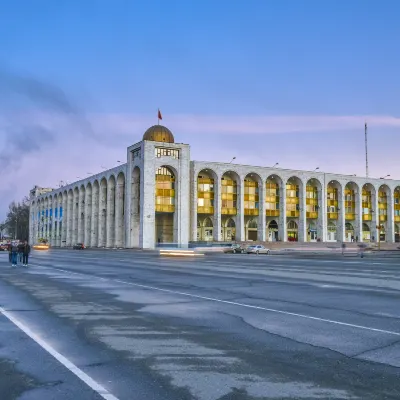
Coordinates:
[228,196]
[165,190]
[162,151]
[205,195]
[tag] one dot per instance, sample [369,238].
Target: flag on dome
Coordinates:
[159,114]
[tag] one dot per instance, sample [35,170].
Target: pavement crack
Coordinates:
[375,349]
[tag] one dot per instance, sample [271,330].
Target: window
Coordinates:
[162,151]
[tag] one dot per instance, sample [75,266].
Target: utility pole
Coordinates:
[366,150]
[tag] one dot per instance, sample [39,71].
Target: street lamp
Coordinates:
[275,165]
[234,158]
[384,177]
[316,169]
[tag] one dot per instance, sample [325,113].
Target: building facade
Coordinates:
[160,196]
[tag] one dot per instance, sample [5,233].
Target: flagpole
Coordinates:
[158,116]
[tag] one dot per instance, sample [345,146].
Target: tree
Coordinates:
[17,220]
[3,227]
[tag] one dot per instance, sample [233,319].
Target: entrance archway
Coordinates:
[312,232]
[349,232]
[366,232]
[164,205]
[292,231]
[332,232]
[205,230]
[251,230]
[229,230]
[272,231]
[382,233]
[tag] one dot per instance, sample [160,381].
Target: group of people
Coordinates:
[19,252]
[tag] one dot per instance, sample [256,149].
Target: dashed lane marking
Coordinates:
[95,386]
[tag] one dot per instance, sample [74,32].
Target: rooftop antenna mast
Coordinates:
[366,150]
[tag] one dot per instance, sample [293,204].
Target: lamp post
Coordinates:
[384,177]
[316,169]
[276,164]
[234,158]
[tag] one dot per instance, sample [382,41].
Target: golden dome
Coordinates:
[159,133]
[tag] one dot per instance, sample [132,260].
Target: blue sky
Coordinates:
[265,81]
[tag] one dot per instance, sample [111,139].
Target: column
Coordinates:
[375,215]
[282,227]
[58,229]
[54,222]
[262,211]
[94,239]
[102,215]
[390,235]
[341,222]
[358,214]
[240,234]
[303,213]
[64,216]
[111,215]
[70,216]
[88,215]
[81,216]
[119,215]
[217,210]
[193,207]
[322,222]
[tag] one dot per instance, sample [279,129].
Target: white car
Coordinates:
[259,249]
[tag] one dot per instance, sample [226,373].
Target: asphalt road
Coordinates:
[129,325]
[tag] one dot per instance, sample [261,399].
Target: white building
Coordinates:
[160,196]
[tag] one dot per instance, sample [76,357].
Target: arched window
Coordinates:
[349,226]
[292,226]
[165,190]
[208,223]
[365,228]
[273,225]
[230,223]
[252,224]
[331,227]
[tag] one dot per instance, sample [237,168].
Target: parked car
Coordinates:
[233,248]
[258,249]
[78,246]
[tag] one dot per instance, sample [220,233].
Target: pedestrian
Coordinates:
[20,252]
[343,248]
[9,246]
[14,254]
[26,251]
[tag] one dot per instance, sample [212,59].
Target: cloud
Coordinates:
[49,146]
[242,124]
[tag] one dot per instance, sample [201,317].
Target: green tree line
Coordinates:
[16,223]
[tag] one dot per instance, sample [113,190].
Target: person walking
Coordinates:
[20,252]
[26,251]
[9,246]
[14,254]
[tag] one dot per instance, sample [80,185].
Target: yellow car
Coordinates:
[40,246]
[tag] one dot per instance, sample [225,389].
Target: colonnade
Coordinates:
[242,205]
[92,214]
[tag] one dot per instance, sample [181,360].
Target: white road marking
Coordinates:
[195,296]
[60,358]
